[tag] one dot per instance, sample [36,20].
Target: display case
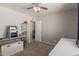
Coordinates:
[24,28]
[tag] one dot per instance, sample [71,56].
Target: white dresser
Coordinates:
[12,48]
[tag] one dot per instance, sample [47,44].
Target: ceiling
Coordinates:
[52,7]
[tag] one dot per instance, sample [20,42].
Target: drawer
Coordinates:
[10,49]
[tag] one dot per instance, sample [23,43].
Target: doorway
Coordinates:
[32,30]
[35,31]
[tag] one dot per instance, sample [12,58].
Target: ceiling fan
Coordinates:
[37,7]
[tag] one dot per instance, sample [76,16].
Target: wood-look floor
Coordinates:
[35,49]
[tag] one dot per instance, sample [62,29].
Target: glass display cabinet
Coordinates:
[24,28]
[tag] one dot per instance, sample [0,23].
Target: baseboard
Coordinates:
[48,43]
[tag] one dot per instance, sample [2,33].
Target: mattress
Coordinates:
[65,47]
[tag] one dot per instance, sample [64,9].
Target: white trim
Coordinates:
[48,43]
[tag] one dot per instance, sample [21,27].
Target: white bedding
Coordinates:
[65,47]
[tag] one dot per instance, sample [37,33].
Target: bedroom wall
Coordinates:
[58,25]
[11,17]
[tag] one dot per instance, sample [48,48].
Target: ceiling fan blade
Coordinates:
[29,7]
[44,8]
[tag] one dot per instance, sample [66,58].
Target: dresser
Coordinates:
[11,48]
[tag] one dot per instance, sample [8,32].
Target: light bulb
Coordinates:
[37,9]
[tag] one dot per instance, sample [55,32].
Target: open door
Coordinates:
[32,31]
[38,31]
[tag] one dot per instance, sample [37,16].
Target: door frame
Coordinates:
[35,31]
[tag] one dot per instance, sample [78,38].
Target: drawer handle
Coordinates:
[8,45]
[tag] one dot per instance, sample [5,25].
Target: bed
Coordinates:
[65,47]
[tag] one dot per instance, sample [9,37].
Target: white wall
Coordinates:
[62,24]
[11,17]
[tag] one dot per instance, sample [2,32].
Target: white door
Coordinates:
[38,31]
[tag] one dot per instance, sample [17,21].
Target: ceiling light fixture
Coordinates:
[36,9]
